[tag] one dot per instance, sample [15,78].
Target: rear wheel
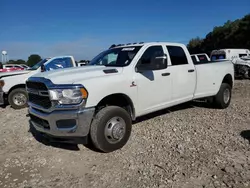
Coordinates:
[223,98]
[18,98]
[111,128]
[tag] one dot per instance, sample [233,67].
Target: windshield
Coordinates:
[57,63]
[36,66]
[117,57]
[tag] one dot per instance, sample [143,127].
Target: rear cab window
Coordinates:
[202,58]
[218,56]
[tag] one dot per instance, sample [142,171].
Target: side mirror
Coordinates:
[160,62]
[142,67]
[43,68]
[156,63]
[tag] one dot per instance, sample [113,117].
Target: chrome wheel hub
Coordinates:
[115,130]
[19,99]
[226,96]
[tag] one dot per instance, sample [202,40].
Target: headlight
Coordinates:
[68,96]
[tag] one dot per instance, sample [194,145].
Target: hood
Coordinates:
[13,73]
[72,75]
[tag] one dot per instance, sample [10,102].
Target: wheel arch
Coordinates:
[228,79]
[118,99]
[15,87]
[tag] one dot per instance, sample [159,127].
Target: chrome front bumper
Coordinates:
[1,97]
[62,123]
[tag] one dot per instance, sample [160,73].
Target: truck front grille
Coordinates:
[38,94]
[43,101]
[36,85]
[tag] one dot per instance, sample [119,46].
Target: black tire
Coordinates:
[220,100]
[98,127]
[13,94]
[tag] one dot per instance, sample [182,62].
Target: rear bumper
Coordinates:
[62,123]
[1,97]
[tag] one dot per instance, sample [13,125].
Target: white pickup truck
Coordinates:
[99,101]
[12,84]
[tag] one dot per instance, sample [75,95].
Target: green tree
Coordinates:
[33,59]
[11,61]
[233,34]
[194,45]
[20,61]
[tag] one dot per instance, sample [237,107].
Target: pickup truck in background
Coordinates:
[99,101]
[239,57]
[13,83]
[200,58]
[242,67]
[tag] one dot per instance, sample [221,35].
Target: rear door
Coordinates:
[183,74]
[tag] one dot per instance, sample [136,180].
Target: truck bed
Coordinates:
[209,76]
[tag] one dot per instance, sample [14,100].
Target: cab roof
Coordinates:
[146,44]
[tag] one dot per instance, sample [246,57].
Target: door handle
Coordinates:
[165,74]
[191,70]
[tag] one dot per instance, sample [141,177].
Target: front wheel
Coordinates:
[111,128]
[223,98]
[18,98]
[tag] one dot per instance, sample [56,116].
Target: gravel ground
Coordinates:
[186,147]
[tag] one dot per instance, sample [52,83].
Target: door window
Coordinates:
[177,55]
[150,61]
[242,55]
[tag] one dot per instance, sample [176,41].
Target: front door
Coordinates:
[153,84]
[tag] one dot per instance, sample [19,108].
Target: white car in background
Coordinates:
[12,84]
